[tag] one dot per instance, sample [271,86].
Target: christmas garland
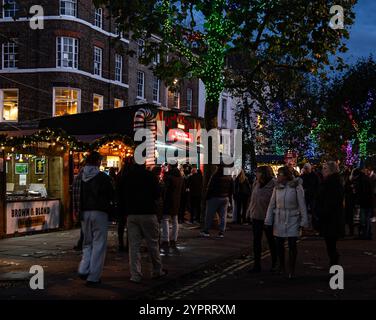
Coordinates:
[61,139]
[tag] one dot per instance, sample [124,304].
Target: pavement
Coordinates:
[210,269]
[312,281]
[54,252]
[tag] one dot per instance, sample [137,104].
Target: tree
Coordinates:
[351,105]
[287,38]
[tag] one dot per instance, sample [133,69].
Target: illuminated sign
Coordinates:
[179,135]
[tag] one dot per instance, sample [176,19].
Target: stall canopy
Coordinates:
[93,124]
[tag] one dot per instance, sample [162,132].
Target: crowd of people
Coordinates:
[146,202]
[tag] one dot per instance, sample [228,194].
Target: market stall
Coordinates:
[34,185]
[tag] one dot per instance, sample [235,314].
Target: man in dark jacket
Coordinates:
[330,211]
[174,183]
[94,199]
[195,185]
[138,196]
[220,190]
[364,199]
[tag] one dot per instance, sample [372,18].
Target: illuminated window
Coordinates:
[10,55]
[118,103]
[97,102]
[66,101]
[68,7]
[9,105]
[67,53]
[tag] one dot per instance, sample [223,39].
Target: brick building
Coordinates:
[77,63]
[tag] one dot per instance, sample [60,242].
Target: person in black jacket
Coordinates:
[174,184]
[138,196]
[220,189]
[242,195]
[363,198]
[195,185]
[329,208]
[95,200]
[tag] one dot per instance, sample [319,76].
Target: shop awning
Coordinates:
[112,121]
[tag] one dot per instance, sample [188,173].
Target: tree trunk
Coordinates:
[211,122]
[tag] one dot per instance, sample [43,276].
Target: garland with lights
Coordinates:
[60,140]
[109,138]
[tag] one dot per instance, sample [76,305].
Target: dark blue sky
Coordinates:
[363,33]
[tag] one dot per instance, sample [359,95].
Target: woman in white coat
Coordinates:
[287,213]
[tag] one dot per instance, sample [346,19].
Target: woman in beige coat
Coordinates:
[287,213]
[261,194]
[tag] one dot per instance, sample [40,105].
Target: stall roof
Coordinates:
[119,121]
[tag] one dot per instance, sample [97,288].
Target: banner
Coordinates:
[27,216]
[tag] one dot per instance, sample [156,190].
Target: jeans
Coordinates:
[241,208]
[121,227]
[331,248]
[214,205]
[166,228]
[365,223]
[94,227]
[143,227]
[258,229]
[195,208]
[293,252]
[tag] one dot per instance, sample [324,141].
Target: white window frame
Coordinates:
[156,59]
[141,48]
[14,9]
[98,18]
[224,114]
[2,104]
[15,53]
[189,105]
[98,63]
[142,74]
[118,67]
[176,94]
[156,90]
[54,99]
[74,2]
[101,99]
[60,55]
[122,103]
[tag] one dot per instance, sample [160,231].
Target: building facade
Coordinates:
[77,63]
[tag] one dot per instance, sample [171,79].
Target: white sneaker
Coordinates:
[204,234]
[373,220]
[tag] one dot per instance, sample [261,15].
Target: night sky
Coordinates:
[362,41]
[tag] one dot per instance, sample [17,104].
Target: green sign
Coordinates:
[22,168]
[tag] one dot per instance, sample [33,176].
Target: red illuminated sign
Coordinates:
[179,135]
